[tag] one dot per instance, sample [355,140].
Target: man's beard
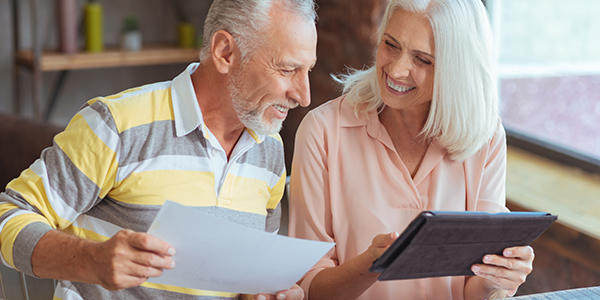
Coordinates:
[253,117]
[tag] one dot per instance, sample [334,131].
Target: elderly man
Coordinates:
[207,139]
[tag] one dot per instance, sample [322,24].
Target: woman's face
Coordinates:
[405,62]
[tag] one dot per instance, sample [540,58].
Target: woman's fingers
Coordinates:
[524,252]
[384,240]
[380,243]
[509,271]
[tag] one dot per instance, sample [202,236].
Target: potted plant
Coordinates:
[131,36]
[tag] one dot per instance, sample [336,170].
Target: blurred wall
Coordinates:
[5,56]
[345,29]
[158,25]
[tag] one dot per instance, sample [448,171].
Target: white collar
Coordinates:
[186,110]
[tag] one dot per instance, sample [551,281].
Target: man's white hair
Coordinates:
[463,115]
[246,21]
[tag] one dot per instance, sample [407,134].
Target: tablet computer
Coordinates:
[438,243]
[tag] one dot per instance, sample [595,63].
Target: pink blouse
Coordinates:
[348,185]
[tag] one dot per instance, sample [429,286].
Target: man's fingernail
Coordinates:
[507,252]
[487,259]
[261,297]
[172,264]
[171,251]
[475,269]
[281,296]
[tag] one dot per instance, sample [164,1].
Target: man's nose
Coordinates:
[301,90]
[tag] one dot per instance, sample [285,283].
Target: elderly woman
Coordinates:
[418,131]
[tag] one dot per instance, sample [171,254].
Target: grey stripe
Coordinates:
[200,136]
[24,244]
[125,215]
[105,114]
[91,291]
[273,221]
[84,106]
[72,185]
[267,155]
[139,217]
[251,220]
[158,138]
[14,197]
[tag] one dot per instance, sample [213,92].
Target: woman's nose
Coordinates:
[400,67]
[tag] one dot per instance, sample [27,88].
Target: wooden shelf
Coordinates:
[149,55]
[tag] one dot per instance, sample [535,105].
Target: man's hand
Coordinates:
[126,260]
[295,293]
[129,258]
[506,272]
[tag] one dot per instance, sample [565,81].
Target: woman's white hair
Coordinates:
[463,115]
[245,20]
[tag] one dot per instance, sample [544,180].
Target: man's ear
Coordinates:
[224,51]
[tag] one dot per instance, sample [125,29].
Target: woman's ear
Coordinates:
[224,51]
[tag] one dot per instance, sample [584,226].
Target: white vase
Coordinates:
[131,41]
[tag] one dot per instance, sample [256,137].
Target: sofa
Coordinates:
[21,143]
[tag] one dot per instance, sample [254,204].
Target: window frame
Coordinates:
[554,152]
[534,145]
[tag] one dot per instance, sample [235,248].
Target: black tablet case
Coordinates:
[448,243]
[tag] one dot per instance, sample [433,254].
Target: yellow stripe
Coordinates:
[123,93]
[276,193]
[31,187]
[85,234]
[254,135]
[149,188]
[145,108]
[277,137]
[205,131]
[245,194]
[181,290]
[93,158]
[4,208]
[12,229]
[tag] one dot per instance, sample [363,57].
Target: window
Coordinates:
[549,76]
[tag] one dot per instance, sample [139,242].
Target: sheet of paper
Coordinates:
[218,255]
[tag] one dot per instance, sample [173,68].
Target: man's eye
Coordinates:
[285,71]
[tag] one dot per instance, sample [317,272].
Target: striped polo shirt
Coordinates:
[117,162]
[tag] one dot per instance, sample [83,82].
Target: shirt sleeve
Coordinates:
[492,194]
[310,209]
[67,180]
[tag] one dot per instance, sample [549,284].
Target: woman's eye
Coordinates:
[423,61]
[390,45]
[284,71]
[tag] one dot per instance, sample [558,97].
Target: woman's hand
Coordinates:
[352,278]
[379,244]
[506,272]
